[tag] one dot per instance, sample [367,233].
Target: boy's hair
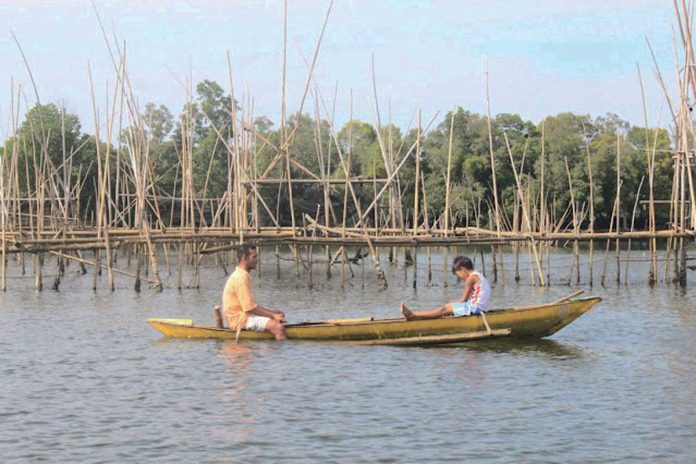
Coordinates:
[462,262]
[243,251]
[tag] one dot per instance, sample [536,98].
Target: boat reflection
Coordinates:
[543,346]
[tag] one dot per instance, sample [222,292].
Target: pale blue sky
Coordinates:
[544,56]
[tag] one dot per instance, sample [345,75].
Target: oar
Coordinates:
[566,298]
[333,322]
[485,321]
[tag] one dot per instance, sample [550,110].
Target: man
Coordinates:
[474,300]
[239,305]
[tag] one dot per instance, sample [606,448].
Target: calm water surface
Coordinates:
[84,379]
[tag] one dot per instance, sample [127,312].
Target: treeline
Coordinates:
[50,142]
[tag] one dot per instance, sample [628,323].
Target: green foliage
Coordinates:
[159,122]
[49,135]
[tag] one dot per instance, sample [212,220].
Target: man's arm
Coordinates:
[273,314]
[249,304]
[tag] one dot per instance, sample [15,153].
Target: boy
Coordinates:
[474,300]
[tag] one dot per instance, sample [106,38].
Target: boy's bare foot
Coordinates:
[407,313]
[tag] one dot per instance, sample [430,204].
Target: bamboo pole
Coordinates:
[633,221]
[618,207]
[525,211]
[492,157]
[575,221]
[652,275]
[592,203]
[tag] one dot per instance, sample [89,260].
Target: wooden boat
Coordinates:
[533,321]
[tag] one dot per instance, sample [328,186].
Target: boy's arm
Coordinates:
[468,286]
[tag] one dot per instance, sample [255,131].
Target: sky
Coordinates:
[544,57]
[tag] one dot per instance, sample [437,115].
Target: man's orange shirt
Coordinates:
[237,298]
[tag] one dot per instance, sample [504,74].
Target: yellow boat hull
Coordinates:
[531,321]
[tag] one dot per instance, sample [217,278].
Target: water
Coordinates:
[84,379]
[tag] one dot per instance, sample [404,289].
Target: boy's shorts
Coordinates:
[465,309]
[257,323]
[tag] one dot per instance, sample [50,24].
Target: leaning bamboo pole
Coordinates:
[592,205]
[525,211]
[652,276]
[633,221]
[448,189]
[618,207]
[3,217]
[496,204]
[573,205]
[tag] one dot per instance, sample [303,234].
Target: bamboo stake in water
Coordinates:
[652,275]
[618,206]
[592,202]
[525,212]
[492,158]
[416,188]
[575,221]
[633,220]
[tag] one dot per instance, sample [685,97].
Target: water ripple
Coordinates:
[84,379]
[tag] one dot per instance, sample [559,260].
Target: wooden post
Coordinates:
[592,202]
[652,275]
[633,220]
[618,206]
[576,256]
[490,149]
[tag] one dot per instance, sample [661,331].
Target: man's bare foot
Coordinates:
[407,313]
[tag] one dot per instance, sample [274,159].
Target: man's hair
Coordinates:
[244,250]
[462,262]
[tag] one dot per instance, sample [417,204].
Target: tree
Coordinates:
[360,140]
[159,122]
[47,136]
[565,140]
[210,117]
